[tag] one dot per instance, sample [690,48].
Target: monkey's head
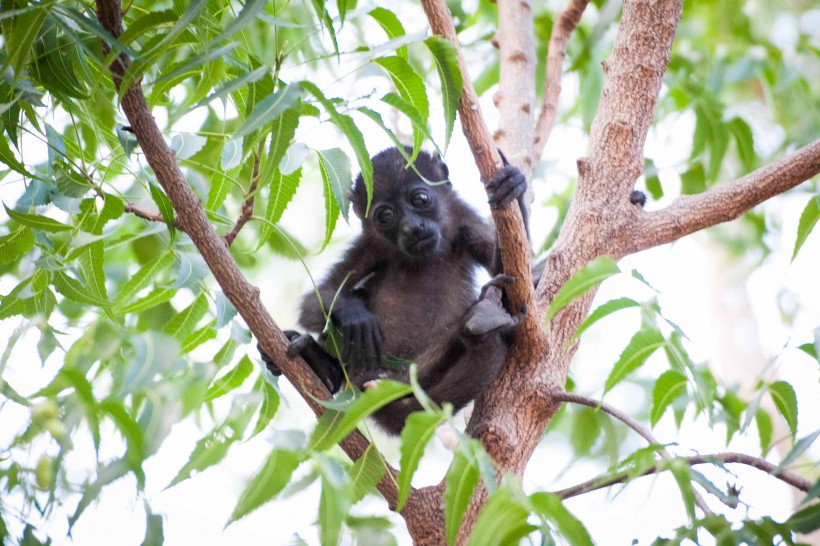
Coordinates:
[406,212]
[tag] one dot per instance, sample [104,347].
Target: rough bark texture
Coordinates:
[190,214]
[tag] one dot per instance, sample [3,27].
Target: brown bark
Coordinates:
[192,219]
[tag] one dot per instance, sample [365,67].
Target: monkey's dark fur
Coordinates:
[405,289]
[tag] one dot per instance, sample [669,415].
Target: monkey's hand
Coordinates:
[361,334]
[488,315]
[505,185]
[293,336]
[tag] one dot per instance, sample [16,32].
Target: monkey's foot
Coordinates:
[488,315]
[505,185]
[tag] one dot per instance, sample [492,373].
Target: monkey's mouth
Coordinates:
[421,246]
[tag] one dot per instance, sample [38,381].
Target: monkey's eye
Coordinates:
[384,216]
[420,199]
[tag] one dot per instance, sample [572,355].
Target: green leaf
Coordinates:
[331,210]
[335,168]
[391,25]
[503,519]
[7,157]
[745,143]
[198,337]
[75,291]
[130,430]
[184,322]
[208,451]
[164,206]
[270,108]
[52,63]
[151,21]
[670,385]
[153,298]
[235,84]
[799,448]
[354,136]
[643,343]
[383,393]
[154,534]
[445,56]
[592,274]
[808,219]
[411,88]
[143,278]
[805,521]
[602,311]
[194,63]
[585,430]
[694,180]
[326,22]
[35,221]
[416,434]
[551,509]
[462,479]
[420,128]
[267,483]
[15,245]
[786,402]
[250,11]
[680,471]
[282,190]
[366,473]
[765,429]
[270,403]
[282,132]
[19,36]
[231,380]
[333,501]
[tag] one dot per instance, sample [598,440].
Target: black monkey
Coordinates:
[405,289]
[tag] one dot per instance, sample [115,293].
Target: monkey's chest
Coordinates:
[417,309]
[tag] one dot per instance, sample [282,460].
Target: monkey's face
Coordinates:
[410,219]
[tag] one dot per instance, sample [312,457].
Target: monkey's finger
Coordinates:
[499,281]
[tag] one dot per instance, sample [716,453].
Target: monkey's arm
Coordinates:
[343,294]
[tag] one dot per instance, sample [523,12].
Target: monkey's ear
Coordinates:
[443,166]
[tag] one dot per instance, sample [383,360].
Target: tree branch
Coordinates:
[191,216]
[725,202]
[718,458]
[247,206]
[562,29]
[147,215]
[515,97]
[642,431]
[512,239]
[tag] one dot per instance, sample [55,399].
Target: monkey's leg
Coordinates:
[323,365]
[462,367]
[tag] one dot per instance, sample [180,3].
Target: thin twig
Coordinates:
[247,206]
[562,29]
[600,482]
[628,421]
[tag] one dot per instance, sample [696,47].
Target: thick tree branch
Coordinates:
[515,97]
[718,458]
[725,202]
[515,249]
[191,216]
[562,29]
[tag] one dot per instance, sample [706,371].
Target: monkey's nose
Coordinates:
[413,229]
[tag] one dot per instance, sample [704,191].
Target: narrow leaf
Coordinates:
[184,322]
[643,343]
[786,402]
[250,11]
[808,219]
[143,278]
[592,274]
[35,221]
[446,59]
[602,311]
[550,508]
[335,168]
[231,380]
[391,25]
[799,448]
[415,436]
[503,520]
[15,245]
[371,400]
[668,387]
[366,472]
[270,108]
[462,479]
[267,483]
